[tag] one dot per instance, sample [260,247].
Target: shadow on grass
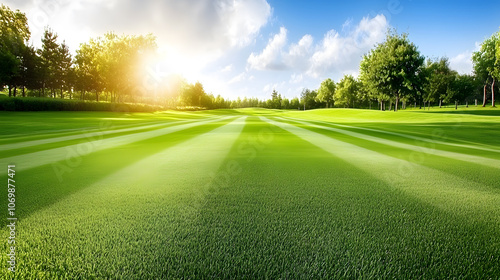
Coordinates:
[39,187]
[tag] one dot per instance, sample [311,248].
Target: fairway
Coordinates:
[253,194]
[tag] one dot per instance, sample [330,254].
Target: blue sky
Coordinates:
[248,47]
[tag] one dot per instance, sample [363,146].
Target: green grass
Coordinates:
[253,193]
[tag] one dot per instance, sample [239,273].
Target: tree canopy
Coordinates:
[393,69]
[114,68]
[347,90]
[326,92]
[487,64]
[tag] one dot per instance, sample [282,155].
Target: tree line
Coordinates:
[113,68]
[395,75]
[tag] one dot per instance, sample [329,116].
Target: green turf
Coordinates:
[254,193]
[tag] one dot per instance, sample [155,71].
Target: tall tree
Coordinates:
[31,70]
[50,60]
[326,92]
[394,68]
[308,98]
[295,103]
[347,91]
[198,94]
[88,76]
[63,68]
[462,88]
[275,100]
[440,80]
[14,33]
[486,65]
[119,60]
[193,95]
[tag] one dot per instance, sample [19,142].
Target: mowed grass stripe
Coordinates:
[46,185]
[130,224]
[470,129]
[42,125]
[293,211]
[104,130]
[474,146]
[485,176]
[212,146]
[35,159]
[105,135]
[437,188]
[453,155]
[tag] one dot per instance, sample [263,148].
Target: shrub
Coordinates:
[49,104]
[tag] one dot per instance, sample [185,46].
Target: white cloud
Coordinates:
[276,86]
[195,28]
[462,63]
[270,58]
[346,27]
[342,54]
[244,19]
[228,68]
[296,78]
[298,53]
[335,54]
[302,47]
[239,78]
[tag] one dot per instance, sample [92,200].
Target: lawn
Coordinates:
[253,193]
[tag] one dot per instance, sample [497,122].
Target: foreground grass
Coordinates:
[258,194]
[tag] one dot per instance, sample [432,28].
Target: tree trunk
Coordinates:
[493,93]
[62,96]
[15,91]
[456,105]
[24,91]
[484,96]
[476,102]
[466,104]
[96,96]
[440,103]
[396,104]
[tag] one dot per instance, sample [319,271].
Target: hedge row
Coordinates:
[49,104]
